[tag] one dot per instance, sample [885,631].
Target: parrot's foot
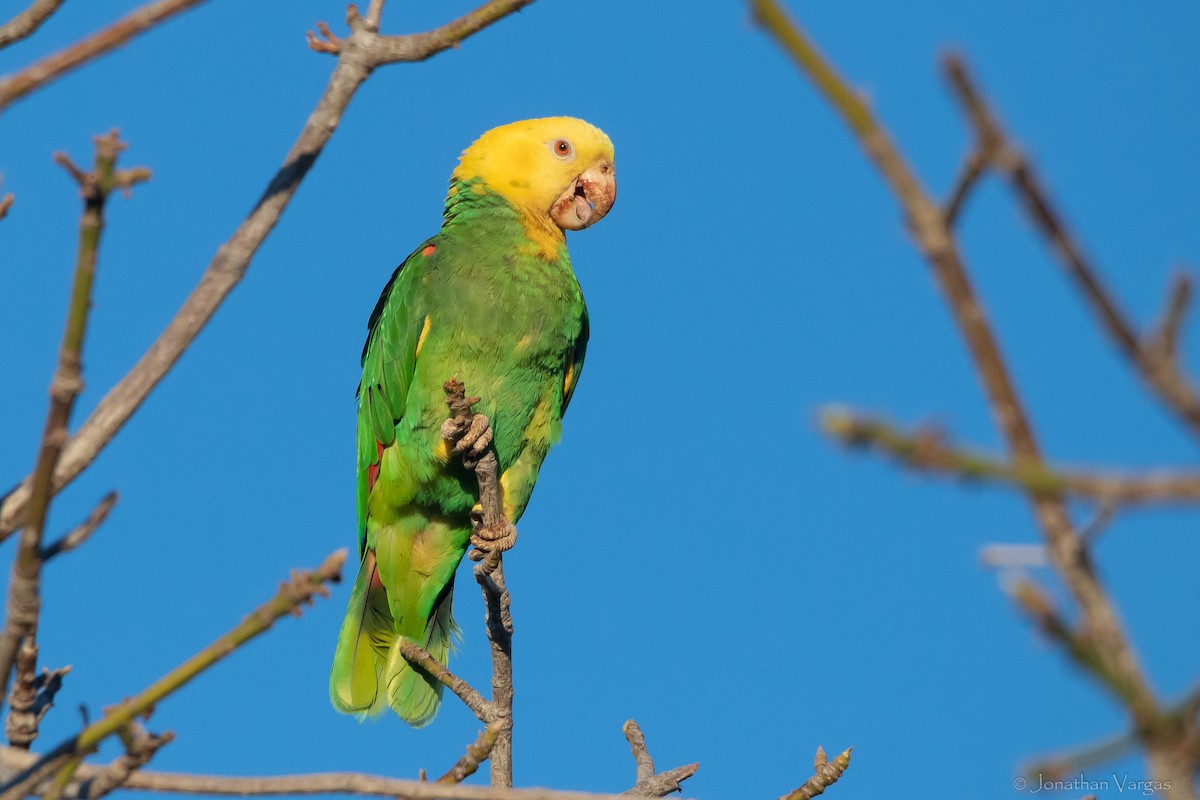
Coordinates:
[494,538]
[470,438]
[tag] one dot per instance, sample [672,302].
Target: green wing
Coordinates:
[576,367]
[389,359]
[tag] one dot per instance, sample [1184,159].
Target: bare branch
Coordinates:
[972,170]
[420,46]
[477,753]
[471,438]
[472,699]
[32,696]
[641,756]
[24,595]
[83,531]
[928,450]
[648,782]
[825,774]
[1164,341]
[319,783]
[6,203]
[140,747]
[233,258]
[936,242]
[35,76]
[1160,372]
[300,590]
[28,21]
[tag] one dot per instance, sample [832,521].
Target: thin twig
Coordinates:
[825,774]
[292,595]
[477,753]
[472,699]
[233,258]
[24,589]
[928,450]
[37,75]
[6,203]
[972,170]
[937,243]
[27,22]
[83,531]
[1165,339]
[1159,371]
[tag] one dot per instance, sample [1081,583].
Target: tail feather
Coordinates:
[363,646]
[412,694]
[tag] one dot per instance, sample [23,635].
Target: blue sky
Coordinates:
[696,556]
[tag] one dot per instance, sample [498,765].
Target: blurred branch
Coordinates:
[26,22]
[24,589]
[6,203]
[935,239]
[37,75]
[233,258]
[648,783]
[83,531]
[825,774]
[927,450]
[140,747]
[32,696]
[1157,365]
[64,759]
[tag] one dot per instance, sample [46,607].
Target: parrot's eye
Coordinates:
[562,148]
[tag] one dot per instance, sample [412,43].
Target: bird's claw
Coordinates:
[497,537]
[470,438]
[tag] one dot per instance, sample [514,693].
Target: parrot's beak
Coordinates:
[586,199]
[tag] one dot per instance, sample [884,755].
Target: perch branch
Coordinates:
[293,594]
[233,258]
[6,203]
[648,783]
[1157,366]
[83,531]
[825,774]
[928,450]
[24,589]
[489,572]
[27,22]
[935,240]
[17,85]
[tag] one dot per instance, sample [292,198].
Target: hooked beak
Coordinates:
[586,199]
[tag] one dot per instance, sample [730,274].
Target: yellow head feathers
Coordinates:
[558,171]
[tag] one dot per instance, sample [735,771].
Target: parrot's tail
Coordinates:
[412,694]
[363,646]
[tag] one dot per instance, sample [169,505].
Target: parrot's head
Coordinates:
[559,171]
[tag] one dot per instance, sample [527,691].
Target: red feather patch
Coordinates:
[429,250]
[373,470]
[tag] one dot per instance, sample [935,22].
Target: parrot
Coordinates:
[491,300]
